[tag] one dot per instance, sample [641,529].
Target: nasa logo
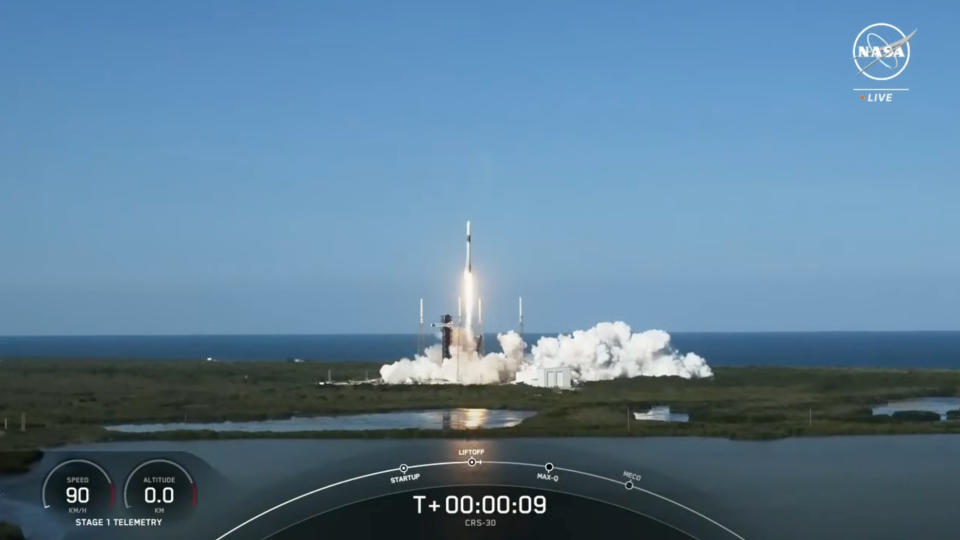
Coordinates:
[881,51]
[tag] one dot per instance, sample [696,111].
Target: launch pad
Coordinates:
[608,350]
[464,334]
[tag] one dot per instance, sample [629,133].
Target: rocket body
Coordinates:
[468,291]
[469,265]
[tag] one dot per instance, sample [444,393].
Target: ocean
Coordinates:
[851,349]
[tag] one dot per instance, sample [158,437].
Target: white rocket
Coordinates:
[469,263]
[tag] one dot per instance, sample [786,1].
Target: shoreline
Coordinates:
[69,401]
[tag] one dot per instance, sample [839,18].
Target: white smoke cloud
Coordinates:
[611,350]
[465,364]
[606,351]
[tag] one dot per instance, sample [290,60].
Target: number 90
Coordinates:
[77,495]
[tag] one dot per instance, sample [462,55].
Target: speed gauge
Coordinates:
[78,487]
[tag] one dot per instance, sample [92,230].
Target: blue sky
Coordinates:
[307,167]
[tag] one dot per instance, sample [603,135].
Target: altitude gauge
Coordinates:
[160,488]
[78,487]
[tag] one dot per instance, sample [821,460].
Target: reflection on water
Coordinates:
[939,405]
[469,419]
[661,413]
[421,419]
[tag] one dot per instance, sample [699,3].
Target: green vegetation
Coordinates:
[70,400]
[953,415]
[10,532]
[916,416]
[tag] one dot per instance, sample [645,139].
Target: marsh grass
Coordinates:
[70,400]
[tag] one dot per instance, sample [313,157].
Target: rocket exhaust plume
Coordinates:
[468,299]
[464,366]
[609,350]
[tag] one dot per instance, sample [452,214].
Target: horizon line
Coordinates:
[528,332]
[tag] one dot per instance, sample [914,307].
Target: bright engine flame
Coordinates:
[468,297]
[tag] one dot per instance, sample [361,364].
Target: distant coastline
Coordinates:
[926,349]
